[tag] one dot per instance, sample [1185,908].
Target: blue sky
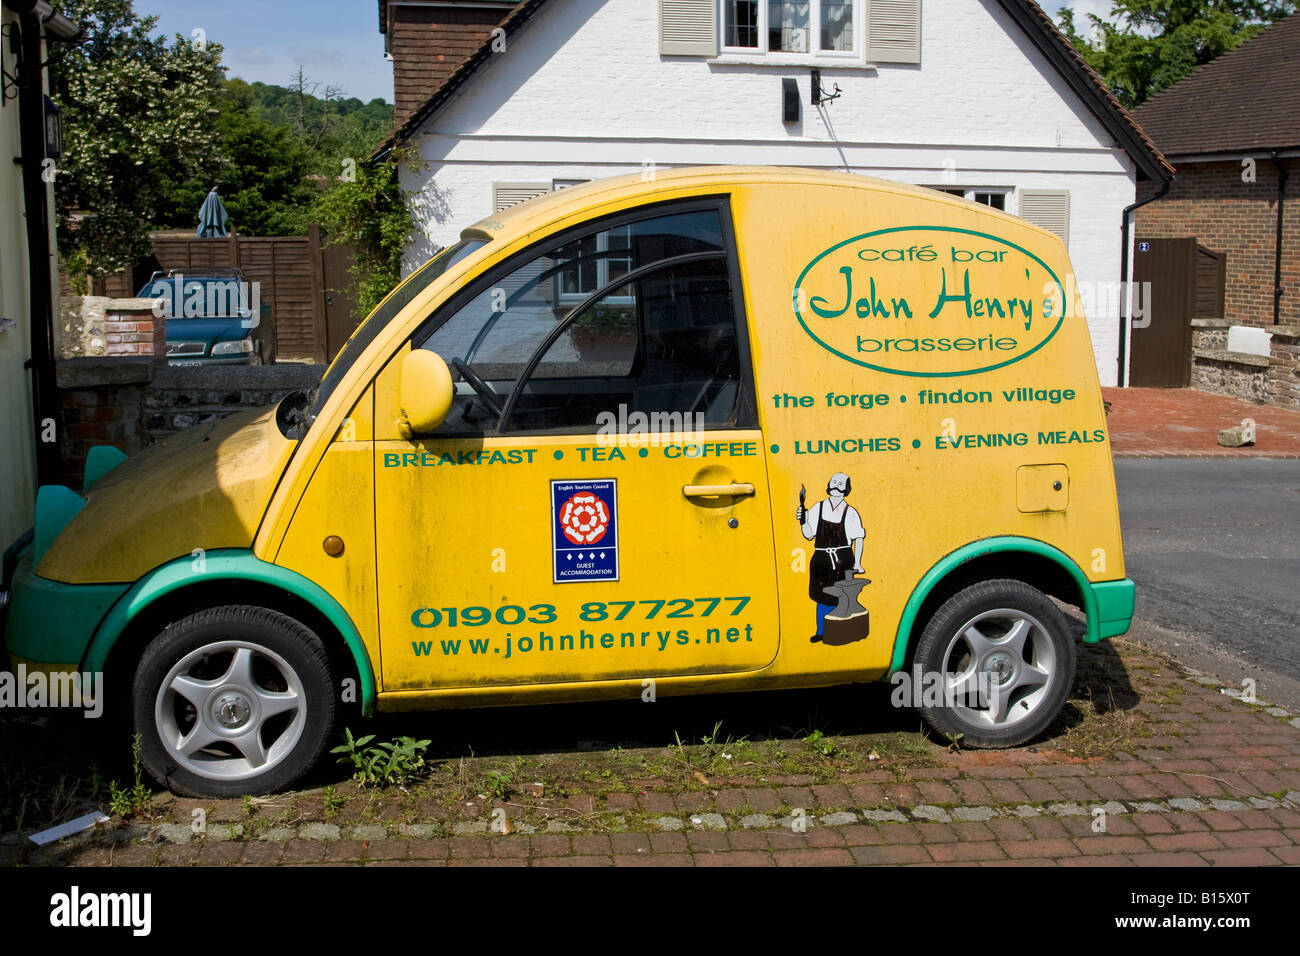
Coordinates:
[337,42]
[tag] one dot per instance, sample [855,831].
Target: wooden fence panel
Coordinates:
[289,270]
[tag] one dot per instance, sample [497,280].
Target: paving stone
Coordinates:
[1220,804]
[469,827]
[1067,810]
[710,821]
[843,818]
[419,831]
[1185,803]
[370,831]
[668,823]
[1265,803]
[560,826]
[884,816]
[224,832]
[975,813]
[175,833]
[319,831]
[927,812]
[1112,807]
[276,834]
[1025,810]
[1146,806]
[801,821]
[757,821]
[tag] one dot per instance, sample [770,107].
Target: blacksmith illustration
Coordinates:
[835,528]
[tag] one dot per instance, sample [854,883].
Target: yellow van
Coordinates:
[708,430]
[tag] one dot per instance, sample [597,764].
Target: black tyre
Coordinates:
[1005,662]
[231,701]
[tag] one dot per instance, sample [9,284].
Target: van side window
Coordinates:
[637,313]
[663,345]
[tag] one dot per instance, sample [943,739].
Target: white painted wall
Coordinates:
[17,439]
[583,93]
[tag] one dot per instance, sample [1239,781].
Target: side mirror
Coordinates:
[425,393]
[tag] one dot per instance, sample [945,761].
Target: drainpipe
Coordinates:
[35,18]
[1121,377]
[1277,261]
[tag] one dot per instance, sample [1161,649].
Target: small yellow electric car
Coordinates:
[716,429]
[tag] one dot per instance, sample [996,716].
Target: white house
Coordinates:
[979,97]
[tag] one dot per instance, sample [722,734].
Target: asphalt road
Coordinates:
[1214,547]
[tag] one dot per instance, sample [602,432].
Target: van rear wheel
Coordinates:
[1005,662]
[231,701]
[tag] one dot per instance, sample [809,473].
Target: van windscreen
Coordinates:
[384,313]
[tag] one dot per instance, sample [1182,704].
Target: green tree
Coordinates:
[370,212]
[262,174]
[1146,46]
[139,114]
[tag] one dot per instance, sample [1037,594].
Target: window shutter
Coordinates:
[1048,208]
[688,27]
[505,195]
[893,31]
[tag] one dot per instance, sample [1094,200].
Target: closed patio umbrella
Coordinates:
[212,217]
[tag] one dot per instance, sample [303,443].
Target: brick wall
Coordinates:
[1273,379]
[132,403]
[428,43]
[96,326]
[1211,202]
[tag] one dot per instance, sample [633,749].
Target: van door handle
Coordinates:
[718,491]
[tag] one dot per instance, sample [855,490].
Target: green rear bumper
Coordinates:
[1114,603]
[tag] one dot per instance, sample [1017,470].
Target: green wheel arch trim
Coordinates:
[227,565]
[1114,598]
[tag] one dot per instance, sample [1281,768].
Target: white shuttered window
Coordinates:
[688,27]
[1048,208]
[859,31]
[893,31]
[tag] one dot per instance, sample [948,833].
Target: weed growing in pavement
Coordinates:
[390,763]
[821,744]
[498,783]
[125,801]
[331,801]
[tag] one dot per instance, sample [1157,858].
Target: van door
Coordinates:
[595,506]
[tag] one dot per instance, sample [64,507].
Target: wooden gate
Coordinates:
[340,302]
[1186,282]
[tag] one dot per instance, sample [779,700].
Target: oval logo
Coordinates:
[929,301]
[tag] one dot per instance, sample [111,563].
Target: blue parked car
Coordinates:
[214,317]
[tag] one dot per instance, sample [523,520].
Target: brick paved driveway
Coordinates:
[1180,773]
[1184,423]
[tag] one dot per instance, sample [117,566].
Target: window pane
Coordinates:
[787,26]
[664,346]
[579,275]
[837,25]
[996,200]
[741,23]
[617,266]
[498,331]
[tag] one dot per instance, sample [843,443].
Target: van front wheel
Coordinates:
[1002,656]
[231,701]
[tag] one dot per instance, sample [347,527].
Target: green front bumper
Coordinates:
[1114,604]
[49,622]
